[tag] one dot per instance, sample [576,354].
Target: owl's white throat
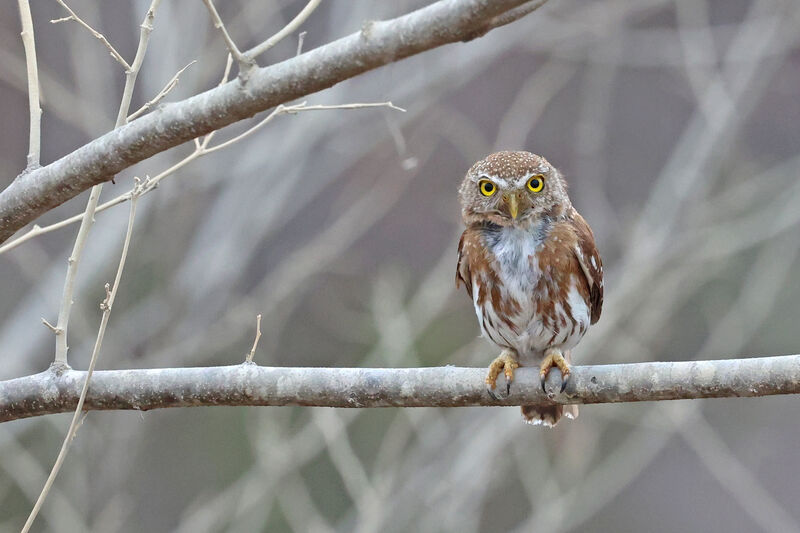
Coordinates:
[515,248]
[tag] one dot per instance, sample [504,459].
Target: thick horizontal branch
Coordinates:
[55,391]
[378,43]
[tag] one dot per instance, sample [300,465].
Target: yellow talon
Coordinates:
[506,363]
[553,357]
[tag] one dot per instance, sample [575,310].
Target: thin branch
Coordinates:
[287,30]
[283,110]
[244,62]
[358,105]
[377,44]
[66,302]
[64,310]
[91,206]
[201,149]
[29,42]
[50,326]
[392,387]
[226,74]
[77,416]
[130,75]
[72,16]
[171,84]
[252,352]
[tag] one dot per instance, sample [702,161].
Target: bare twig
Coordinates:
[201,149]
[88,215]
[300,40]
[72,16]
[130,75]
[392,387]
[303,107]
[29,42]
[291,109]
[252,352]
[287,30]
[87,219]
[106,306]
[227,72]
[244,62]
[171,84]
[50,326]
[66,301]
[437,24]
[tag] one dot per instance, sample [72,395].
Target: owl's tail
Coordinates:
[547,415]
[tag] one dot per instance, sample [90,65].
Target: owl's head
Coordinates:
[512,188]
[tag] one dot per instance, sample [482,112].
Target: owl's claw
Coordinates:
[506,363]
[554,358]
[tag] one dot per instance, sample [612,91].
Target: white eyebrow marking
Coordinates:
[500,182]
[520,182]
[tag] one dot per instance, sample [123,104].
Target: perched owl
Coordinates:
[529,262]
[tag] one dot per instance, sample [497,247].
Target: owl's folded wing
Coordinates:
[591,264]
[462,268]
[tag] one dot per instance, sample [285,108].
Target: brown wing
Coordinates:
[591,264]
[462,268]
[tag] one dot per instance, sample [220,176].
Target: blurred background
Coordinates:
[677,124]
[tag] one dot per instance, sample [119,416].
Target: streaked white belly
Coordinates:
[518,267]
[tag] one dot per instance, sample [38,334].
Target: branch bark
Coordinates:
[378,43]
[57,391]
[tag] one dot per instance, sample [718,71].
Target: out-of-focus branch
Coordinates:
[29,42]
[378,43]
[57,390]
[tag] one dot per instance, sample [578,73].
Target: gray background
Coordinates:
[677,124]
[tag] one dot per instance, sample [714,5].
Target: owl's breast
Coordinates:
[529,299]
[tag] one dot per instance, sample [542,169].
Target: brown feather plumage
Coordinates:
[528,261]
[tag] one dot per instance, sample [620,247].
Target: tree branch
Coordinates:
[377,44]
[35,110]
[57,390]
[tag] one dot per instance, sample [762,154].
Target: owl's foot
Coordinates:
[506,363]
[554,357]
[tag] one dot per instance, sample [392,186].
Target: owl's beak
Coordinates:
[513,206]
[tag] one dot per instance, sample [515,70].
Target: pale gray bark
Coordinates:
[378,43]
[57,390]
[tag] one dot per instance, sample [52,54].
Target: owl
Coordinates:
[528,261]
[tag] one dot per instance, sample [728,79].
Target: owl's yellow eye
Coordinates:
[487,187]
[536,183]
